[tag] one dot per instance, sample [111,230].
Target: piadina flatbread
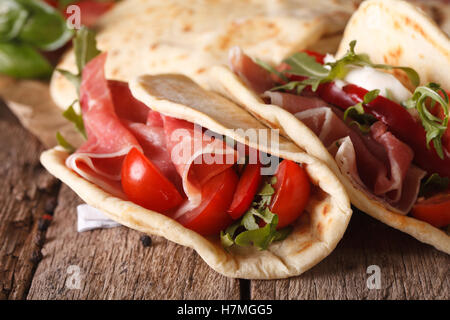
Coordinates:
[187,37]
[390,32]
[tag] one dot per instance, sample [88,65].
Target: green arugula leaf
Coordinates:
[302,64]
[85,47]
[75,79]
[247,231]
[271,69]
[433,184]
[434,126]
[226,239]
[77,119]
[358,109]
[63,143]
[261,237]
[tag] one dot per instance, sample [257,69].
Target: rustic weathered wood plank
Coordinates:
[114,264]
[26,192]
[409,269]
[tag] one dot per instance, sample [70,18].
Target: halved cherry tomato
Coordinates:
[434,210]
[318,56]
[146,186]
[245,190]
[211,215]
[91,10]
[292,191]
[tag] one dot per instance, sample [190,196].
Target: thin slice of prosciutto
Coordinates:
[379,163]
[116,122]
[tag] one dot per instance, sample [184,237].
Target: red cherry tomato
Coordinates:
[292,191]
[245,190]
[211,216]
[91,11]
[53,3]
[318,56]
[146,186]
[434,210]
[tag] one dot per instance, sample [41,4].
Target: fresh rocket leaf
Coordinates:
[356,112]
[433,184]
[73,78]
[247,231]
[226,239]
[302,64]
[434,126]
[63,143]
[261,237]
[77,119]
[370,96]
[85,47]
[23,61]
[271,69]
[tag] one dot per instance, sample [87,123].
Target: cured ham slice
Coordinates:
[196,157]
[378,162]
[251,73]
[115,122]
[100,158]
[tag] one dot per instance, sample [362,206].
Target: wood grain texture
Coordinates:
[26,192]
[409,269]
[114,264]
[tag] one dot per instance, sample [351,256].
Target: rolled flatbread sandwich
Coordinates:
[166,157]
[377,113]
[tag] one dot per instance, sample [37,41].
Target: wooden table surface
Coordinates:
[39,260]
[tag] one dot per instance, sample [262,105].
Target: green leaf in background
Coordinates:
[45,28]
[85,47]
[12,18]
[23,61]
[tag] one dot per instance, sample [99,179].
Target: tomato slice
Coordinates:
[146,186]
[245,190]
[318,56]
[292,191]
[211,216]
[434,210]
